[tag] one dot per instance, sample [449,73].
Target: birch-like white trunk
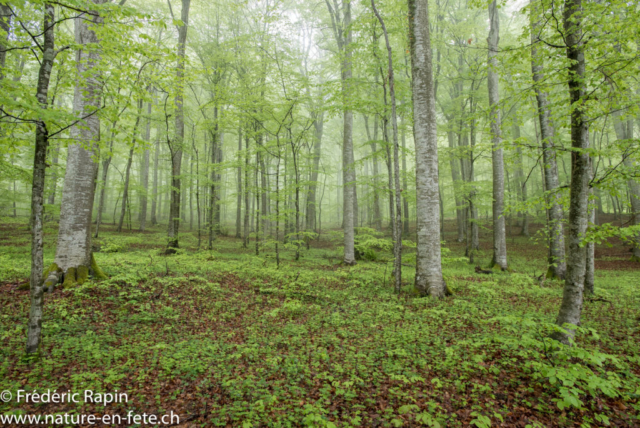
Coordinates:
[499,233]
[429,278]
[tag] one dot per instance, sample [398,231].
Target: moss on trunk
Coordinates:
[95,269]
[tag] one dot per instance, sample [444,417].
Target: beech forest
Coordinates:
[320,213]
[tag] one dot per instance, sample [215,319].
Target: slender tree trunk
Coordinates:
[37,189]
[455,176]
[246,193]
[54,175]
[154,199]
[377,217]
[557,264]
[348,164]
[405,201]
[499,236]
[572,298]
[102,200]
[429,279]
[520,181]
[127,174]
[145,172]
[318,127]
[239,188]
[397,222]
[176,146]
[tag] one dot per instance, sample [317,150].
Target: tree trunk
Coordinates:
[5,25]
[397,221]
[429,279]
[37,189]
[455,176]
[145,172]
[318,127]
[348,165]
[73,253]
[127,174]
[176,147]
[239,188]
[405,201]
[102,200]
[154,198]
[499,236]
[557,264]
[572,297]
[521,181]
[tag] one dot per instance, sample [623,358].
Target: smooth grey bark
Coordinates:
[74,235]
[429,279]
[397,221]
[499,234]
[145,172]
[176,146]
[342,33]
[556,260]
[37,189]
[572,297]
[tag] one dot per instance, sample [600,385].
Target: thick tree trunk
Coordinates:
[499,235]
[73,253]
[557,264]
[572,298]
[176,149]
[37,189]
[429,279]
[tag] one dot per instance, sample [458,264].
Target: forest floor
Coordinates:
[223,338]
